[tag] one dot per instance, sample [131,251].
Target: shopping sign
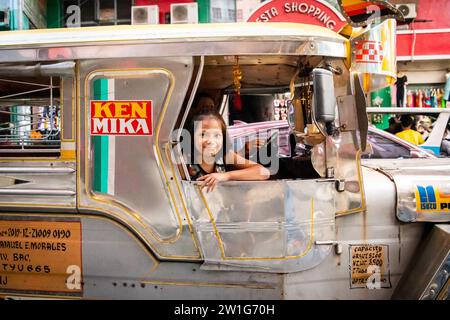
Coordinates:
[118,117]
[314,12]
[368,52]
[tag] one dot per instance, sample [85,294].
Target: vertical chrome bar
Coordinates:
[186,112]
[194,91]
[20,14]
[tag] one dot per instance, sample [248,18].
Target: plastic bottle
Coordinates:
[409,99]
[433,100]
[414,98]
[442,99]
[426,99]
[419,100]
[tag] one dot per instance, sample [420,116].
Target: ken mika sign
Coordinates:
[118,117]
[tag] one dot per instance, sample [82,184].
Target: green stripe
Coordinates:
[100,183]
[14,20]
[54,14]
[203,11]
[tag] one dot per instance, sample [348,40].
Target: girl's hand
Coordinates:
[211,180]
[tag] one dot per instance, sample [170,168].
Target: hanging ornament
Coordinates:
[237,77]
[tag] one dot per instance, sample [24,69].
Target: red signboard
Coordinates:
[433,44]
[315,12]
[130,118]
[428,35]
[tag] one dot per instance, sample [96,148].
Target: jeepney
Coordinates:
[101,210]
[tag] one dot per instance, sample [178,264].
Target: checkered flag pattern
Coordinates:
[369,52]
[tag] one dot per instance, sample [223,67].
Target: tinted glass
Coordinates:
[384,148]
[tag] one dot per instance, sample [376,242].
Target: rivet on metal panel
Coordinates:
[338,248]
[330,172]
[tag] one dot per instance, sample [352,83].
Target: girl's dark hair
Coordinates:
[209,114]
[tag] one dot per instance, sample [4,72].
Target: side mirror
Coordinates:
[296,118]
[324,100]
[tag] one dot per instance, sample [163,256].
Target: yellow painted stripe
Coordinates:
[68,154]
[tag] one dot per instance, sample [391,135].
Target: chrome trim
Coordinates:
[224,103]
[326,243]
[191,98]
[171,41]
[296,47]
[186,113]
[168,33]
[37,192]
[19,151]
[57,69]
[32,170]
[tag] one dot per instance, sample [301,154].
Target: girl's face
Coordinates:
[208,137]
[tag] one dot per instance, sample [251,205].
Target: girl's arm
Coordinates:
[246,171]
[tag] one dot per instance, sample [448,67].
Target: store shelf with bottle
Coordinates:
[425,96]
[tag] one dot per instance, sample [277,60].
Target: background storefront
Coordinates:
[423,56]
[422,40]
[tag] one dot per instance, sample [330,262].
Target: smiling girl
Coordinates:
[212,161]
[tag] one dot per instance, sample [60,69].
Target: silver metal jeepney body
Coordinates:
[147,234]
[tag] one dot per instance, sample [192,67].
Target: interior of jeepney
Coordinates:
[256,96]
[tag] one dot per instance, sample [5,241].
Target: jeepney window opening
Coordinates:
[30,117]
[265,80]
